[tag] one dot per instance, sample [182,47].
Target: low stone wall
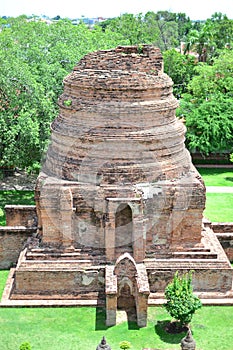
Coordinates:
[21,215]
[204,279]
[58,280]
[222,227]
[226,240]
[224,233]
[12,240]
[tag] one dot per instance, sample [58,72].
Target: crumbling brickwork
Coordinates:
[117,142]
[118,180]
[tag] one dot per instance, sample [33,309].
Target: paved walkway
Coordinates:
[219,189]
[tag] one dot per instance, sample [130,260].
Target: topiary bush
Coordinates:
[181,302]
[124,345]
[25,346]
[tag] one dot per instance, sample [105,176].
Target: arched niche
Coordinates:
[126,272]
[123,229]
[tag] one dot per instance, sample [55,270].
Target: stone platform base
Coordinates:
[71,278]
[155,299]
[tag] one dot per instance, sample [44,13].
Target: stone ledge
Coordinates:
[155,299]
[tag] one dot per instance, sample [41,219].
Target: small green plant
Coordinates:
[25,346]
[181,302]
[231,157]
[124,345]
[67,103]
[34,168]
[140,48]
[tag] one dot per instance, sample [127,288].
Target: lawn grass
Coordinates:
[217,176]
[219,207]
[3,278]
[82,328]
[14,197]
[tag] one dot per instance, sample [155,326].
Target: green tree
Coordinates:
[130,27]
[35,57]
[184,25]
[166,28]
[181,302]
[223,30]
[208,109]
[202,42]
[124,345]
[163,29]
[180,68]
[210,36]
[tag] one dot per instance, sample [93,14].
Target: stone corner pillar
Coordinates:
[111,295]
[66,207]
[111,308]
[139,240]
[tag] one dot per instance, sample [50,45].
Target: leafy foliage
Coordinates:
[208,108]
[209,37]
[35,57]
[181,302]
[180,68]
[25,346]
[124,345]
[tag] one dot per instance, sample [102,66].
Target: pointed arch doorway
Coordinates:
[123,230]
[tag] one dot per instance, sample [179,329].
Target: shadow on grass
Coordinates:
[229,179]
[100,313]
[100,318]
[160,330]
[132,318]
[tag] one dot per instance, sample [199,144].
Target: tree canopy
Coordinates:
[181,302]
[35,57]
[208,107]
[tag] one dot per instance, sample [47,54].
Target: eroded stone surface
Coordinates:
[118,180]
[117,144]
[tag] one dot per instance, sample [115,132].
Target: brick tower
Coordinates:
[119,203]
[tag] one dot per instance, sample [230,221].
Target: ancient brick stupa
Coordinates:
[119,203]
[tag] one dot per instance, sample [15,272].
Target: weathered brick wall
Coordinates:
[12,240]
[117,128]
[204,279]
[21,215]
[226,240]
[222,227]
[224,233]
[127,58]
[52,281]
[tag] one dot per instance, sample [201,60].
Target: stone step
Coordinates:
[40,254]
[195,255]
[62,265]
[189,264]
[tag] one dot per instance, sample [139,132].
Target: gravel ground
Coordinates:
[18,181]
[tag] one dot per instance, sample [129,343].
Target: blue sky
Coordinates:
[195,9]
